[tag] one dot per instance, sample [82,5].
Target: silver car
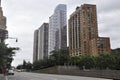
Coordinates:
[10,72]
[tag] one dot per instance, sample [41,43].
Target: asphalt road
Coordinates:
[35,76]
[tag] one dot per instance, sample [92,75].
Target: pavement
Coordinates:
[2,77]
[36,76]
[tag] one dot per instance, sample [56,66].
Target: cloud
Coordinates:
[109,26]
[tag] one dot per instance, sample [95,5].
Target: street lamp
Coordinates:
[4,36]
[16,39]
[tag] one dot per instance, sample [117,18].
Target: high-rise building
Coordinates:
[40,50]
[3,31]
[83,32]
[43,41]
[58,29]
[35,46]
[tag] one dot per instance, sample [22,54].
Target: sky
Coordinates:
[25,16]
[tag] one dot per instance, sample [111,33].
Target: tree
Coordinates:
[86,61]
[74,60]
[104,61]
[28,66]
[24,64]
[43,64]
[60,57]
[37,65]
[19,66]
[115,61]
[6,55]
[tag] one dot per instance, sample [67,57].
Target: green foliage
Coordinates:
[26,66]
[115,61]
[103,61]
[19,66]
[6,55]
[108,61]
[87,61]
[75,60]
[60,57]
[43,64]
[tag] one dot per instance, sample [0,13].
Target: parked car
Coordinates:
[10,72]
[19,70]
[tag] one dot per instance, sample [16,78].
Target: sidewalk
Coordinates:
[2,77]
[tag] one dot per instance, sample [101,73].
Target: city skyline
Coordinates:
[29,16]
[52,35]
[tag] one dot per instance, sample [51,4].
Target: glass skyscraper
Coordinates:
[58,29]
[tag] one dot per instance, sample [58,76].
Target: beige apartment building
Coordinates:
[83,32]
[3,31]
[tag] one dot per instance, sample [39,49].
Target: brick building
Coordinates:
[83,32]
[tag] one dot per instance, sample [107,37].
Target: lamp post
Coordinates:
[16,39]
[3,37]
[6,65]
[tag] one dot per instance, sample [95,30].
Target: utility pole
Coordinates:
[0,3]
[16,39]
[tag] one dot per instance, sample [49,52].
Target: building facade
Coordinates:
[35,46]
[83,32]
[40,51]
[3,31]
[58,29]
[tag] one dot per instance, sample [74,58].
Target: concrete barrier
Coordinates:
[73,70]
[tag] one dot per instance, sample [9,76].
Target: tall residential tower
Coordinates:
[58,29]
[3,31]
[83,32]
[40,49]
[35,46]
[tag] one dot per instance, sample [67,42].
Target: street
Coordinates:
[35,76]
